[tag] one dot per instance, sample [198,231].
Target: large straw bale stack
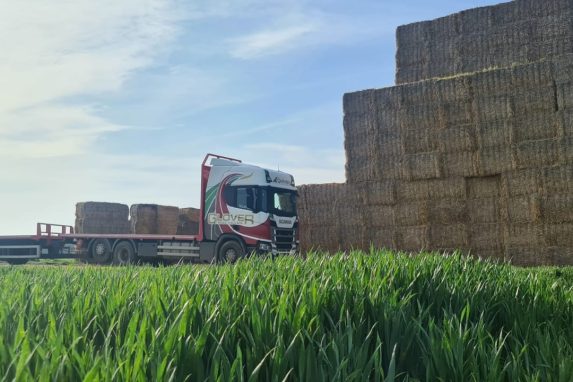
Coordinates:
[102,218]
[476,39]
[472,150]
[188,221]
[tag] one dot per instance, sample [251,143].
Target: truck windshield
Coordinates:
[282,202]
[262,199]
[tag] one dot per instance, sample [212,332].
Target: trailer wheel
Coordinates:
[123,254]
[100,251]
[229,252]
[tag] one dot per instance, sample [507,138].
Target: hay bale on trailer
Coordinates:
[154,219]
[188,221]
[102,218]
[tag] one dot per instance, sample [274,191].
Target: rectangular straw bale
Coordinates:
[557,180]
[495,160]
[536,77]
[423,166]
[557,208]
[320,216]
[447,211]
[522,182]
[528,256]
[382,237]
[483,187]
[350,215]
[418,140]
[562,68]
[353,237]
[492,108]
[420,116]
[559,234]
[188,221]
[361,102]
[567,122]
[380,216]
[524,209]
[456,113]
[386,168]
[561,256]
[448,237]
[485,236]
[535,126]
[459,164]
[167,220]
[143,218]
[387,144]
[430,189]
[413,213]
[456,139]
[380,192]
[359,124]
[518,235]
[494,83]
[322,238]
[538,100]
[494,133]
[412,238]
[544,152]
[484,210]
[567,150]
[104,209]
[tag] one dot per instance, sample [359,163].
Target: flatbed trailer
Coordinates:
[244,209]
[49,242]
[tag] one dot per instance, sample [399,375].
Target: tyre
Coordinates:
[17,261]
[100,252]
[229,252]
[123,254]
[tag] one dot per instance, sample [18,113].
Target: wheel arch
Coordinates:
[130,241]
[227,237]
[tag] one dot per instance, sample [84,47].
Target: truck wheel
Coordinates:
[100,251]
[230,252]
[17,261]
[123,254]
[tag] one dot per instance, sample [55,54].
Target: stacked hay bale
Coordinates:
[154,219]
[517,32]
[104,218]
[480,162]
[188,221]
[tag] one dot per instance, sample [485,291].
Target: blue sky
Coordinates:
[120,100]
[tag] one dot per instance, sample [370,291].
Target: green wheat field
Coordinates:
[379,316]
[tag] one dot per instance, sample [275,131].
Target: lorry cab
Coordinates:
[247,209]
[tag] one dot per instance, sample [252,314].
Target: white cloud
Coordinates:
[271,41]
[56,51]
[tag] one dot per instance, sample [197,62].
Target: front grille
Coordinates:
[283,239]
